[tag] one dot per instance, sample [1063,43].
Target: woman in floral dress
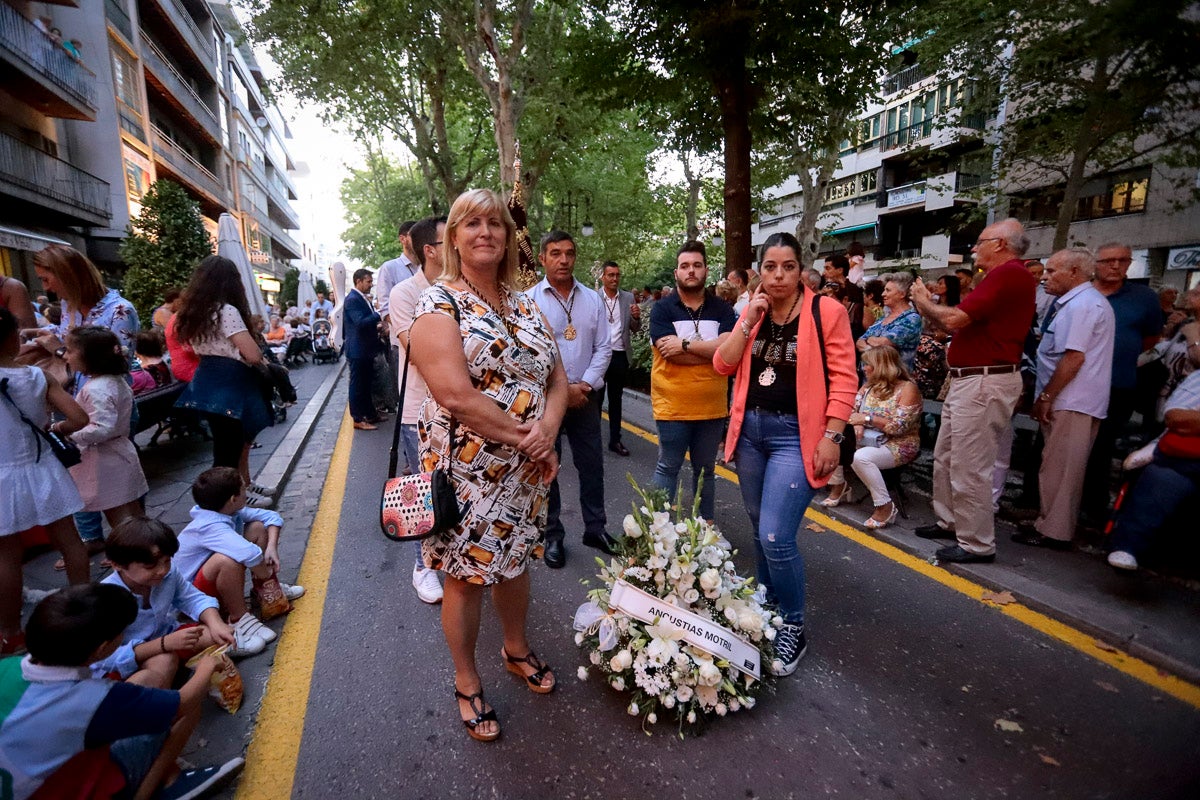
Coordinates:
[492,367]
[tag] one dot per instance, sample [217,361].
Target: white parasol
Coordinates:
[229,245]
[306,291]
[337,285]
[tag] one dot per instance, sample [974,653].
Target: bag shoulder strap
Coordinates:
[39,434]
[394,456]
[816,314]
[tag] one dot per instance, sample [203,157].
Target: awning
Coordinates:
[852,229]
[23,239]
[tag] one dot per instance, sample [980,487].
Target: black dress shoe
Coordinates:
[956,555]
[934,531]
[555,555]
[1030,536]
[601,541]
[619,448]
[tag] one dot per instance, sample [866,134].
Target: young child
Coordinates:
[154,371]
[37,490]
[140,550]
[110,477]
[66,734]
[223,541]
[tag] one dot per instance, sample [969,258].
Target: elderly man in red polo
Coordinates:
[989,327]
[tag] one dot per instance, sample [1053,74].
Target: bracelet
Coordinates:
[162,644]
[746,329]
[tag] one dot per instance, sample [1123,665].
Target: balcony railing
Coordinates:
[180,89]
[907,135]
[43,55]
[899,81]
[183,164]
[200,44]
[906,195]
[279,236]
[42,174]
[278,195]
[116,13]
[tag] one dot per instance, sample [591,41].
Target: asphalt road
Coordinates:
[900,695]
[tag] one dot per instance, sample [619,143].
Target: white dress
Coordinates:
[33,491]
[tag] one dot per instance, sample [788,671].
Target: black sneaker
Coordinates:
[790,647]
[199,782]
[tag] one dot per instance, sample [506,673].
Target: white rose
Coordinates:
[691,717]
[595,658]
[668,701]
[710,674]
[582,673]
[777,621]
[721,709]
[633,709]
[631,527]
[674,573]
[734,705]
[683,693]
[652,718]
[691,596]
[618,683]
[749,621]
[710,579]
[621,661]
[770,634]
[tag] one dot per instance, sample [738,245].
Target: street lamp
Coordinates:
[588,229]
[567,208]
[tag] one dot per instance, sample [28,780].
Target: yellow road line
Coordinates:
[1088,645]
[275,748]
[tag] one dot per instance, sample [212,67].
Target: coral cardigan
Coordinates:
[811,402]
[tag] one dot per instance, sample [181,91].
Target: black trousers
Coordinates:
[614,382]
[1097,483]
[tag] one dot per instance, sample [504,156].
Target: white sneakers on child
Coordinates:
[250,636]
[291,591]
[428,587]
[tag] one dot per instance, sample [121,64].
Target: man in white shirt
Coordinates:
[426,237]
[576,315]
[1074,373]
[323,305]
[623,316]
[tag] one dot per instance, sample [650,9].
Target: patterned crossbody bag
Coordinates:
[417,506]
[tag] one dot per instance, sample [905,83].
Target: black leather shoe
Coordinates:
[956,555]
[1031,536]
[601,541]
[555,554]
[619,448]
[934,531]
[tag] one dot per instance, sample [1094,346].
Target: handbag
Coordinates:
[62,448]
[417,506]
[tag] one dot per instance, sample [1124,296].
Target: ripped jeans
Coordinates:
[776,492]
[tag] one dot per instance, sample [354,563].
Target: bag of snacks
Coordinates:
[271,599]
[225,685]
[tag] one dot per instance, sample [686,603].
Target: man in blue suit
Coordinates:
[361,324]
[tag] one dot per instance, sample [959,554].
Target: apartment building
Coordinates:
[911,181]
[171,96]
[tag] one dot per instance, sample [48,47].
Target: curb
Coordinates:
[278,468]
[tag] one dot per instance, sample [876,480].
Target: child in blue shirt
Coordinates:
[65,733]
[224,540]
[140,550]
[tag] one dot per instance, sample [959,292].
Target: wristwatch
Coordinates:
[686,342]
[1045,397]
[834,437]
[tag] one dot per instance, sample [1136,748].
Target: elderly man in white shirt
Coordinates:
[1074,373]
[426,242]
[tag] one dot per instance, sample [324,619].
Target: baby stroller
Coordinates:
[322,342]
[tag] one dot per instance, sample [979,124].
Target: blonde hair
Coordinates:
[80,281]
[473,203]
[888,370]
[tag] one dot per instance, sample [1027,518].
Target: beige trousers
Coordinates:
[1069,436]
[976,413]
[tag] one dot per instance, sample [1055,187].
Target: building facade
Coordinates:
[159,90]
[909,190]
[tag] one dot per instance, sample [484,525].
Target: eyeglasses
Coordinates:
[979,242]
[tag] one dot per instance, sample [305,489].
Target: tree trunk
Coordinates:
[1084,146]
[733,92]
[691,209]
[813,180]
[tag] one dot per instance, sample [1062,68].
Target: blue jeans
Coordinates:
[776,492]
[90,525]
[1162,488]
[412,458]
[698,438]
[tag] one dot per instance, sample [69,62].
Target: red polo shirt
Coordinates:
[1001,309]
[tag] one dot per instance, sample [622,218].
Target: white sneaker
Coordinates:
[257,628]
[428,587]
[291,591]
[1122,560]
[256,500]
[246,642]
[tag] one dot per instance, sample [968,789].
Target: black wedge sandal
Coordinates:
[536,680]
[475,701]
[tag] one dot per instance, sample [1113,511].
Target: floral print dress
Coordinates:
[510,361]
[904,331]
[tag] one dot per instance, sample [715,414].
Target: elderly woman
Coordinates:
[498,394]
[83,297]
[794,362]
[887,413]
[1180,353]
[900,326]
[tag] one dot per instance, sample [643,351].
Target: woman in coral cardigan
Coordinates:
[793,392]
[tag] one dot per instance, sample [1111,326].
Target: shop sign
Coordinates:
[1184,258]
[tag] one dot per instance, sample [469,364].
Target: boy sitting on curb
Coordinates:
[64,733]
[223,540]
[140,550]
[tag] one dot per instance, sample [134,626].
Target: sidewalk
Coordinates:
[1154,618]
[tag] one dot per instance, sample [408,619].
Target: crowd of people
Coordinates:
[803,378]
